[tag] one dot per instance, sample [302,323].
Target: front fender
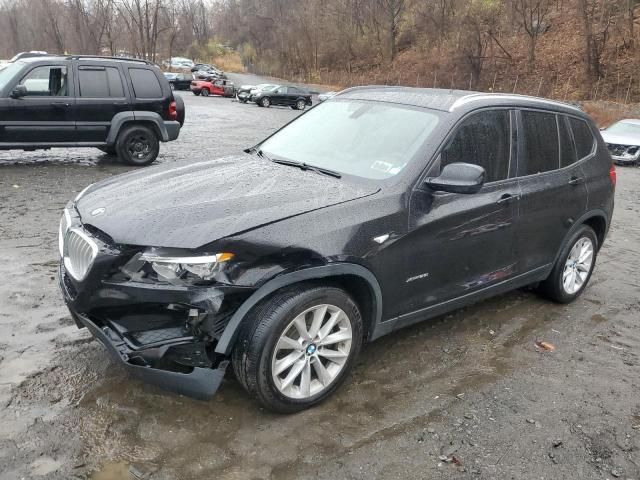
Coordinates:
[228,338]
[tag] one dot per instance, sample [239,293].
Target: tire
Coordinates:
[265,102]
[197,94]
[137,145]
[569,266]
[205,92]
[258,350]
[172,86]
[108,150]
[300,105]
[244,100]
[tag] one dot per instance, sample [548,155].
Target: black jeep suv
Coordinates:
[121,106]
[399,205]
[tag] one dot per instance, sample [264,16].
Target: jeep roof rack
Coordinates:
[100,57]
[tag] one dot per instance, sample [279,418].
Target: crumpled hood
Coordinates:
[620,139]
[192,205]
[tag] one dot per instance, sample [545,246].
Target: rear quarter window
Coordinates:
[145,83]
[582,136]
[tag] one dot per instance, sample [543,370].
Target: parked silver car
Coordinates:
[623,140]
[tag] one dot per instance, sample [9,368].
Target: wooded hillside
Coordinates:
[568,49]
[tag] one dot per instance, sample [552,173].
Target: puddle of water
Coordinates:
[113,471]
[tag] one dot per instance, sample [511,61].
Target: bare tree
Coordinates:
[532,15]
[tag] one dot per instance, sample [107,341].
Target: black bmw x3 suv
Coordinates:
[122,106]
[379,208]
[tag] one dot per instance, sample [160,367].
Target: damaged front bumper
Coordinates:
[164,334]
[201,383]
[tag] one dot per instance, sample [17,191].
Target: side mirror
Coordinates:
[458,178]
[19,91]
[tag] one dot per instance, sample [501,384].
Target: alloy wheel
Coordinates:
[578,265]
[311,351]
[301,105]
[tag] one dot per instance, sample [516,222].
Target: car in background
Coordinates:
[623,140]
[283,95]
[179,62]
[224,88]
[245,92]
[124,107]
[326,96]
[179,81]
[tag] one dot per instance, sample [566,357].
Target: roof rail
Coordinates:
[100,57]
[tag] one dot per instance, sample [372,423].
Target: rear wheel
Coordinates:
[205,92]
[297,347]
[574,267]
[265,102]
[137,145]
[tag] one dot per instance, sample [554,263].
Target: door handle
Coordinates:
[507,198]
[120,104]
[60,104]
[576,181]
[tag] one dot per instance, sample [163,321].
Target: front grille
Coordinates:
[623,150]
[79,253]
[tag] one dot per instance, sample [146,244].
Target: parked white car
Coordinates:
[623,140]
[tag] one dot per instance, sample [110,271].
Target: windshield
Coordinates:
[7,73]
[365,139]
[624,128]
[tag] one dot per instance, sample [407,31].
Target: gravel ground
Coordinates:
[467,395]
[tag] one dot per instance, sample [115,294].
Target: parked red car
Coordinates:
[205,88]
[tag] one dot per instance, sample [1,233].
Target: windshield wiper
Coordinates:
[304,166]
[300,165]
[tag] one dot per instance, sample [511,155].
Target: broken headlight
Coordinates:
[175,267]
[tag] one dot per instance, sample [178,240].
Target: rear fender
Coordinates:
[121,119]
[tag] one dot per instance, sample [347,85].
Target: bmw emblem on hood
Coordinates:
[98,211]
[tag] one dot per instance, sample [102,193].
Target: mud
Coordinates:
[467,395]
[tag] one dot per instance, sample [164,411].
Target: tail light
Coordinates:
[612,175]
[173,110]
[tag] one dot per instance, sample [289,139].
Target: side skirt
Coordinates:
[422,314]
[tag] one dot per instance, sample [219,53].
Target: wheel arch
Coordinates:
[148,119]
[596,219]
[357,280]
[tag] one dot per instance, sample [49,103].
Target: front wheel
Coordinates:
[574,267]
[137,145]
[205,92]
[300,105]
[265,102]
[297,347]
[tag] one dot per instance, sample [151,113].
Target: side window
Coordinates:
[540,146]
[145,83]
[282,90]
[483,139]
[47,81]
[293,90]
[582,136]
[567,148]
[99,82]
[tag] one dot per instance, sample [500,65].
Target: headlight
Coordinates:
[184,269]
[65,224]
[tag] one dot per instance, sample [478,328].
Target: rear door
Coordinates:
[44,115]
[100,95]
[552,183]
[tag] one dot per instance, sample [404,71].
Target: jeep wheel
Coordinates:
[265,102]
[205,92]
[300,105]
[137,145]
[574,266]
[297,347]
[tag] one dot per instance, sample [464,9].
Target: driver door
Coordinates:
[45,113]
[462,243]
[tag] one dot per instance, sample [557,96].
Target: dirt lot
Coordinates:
[467,395]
